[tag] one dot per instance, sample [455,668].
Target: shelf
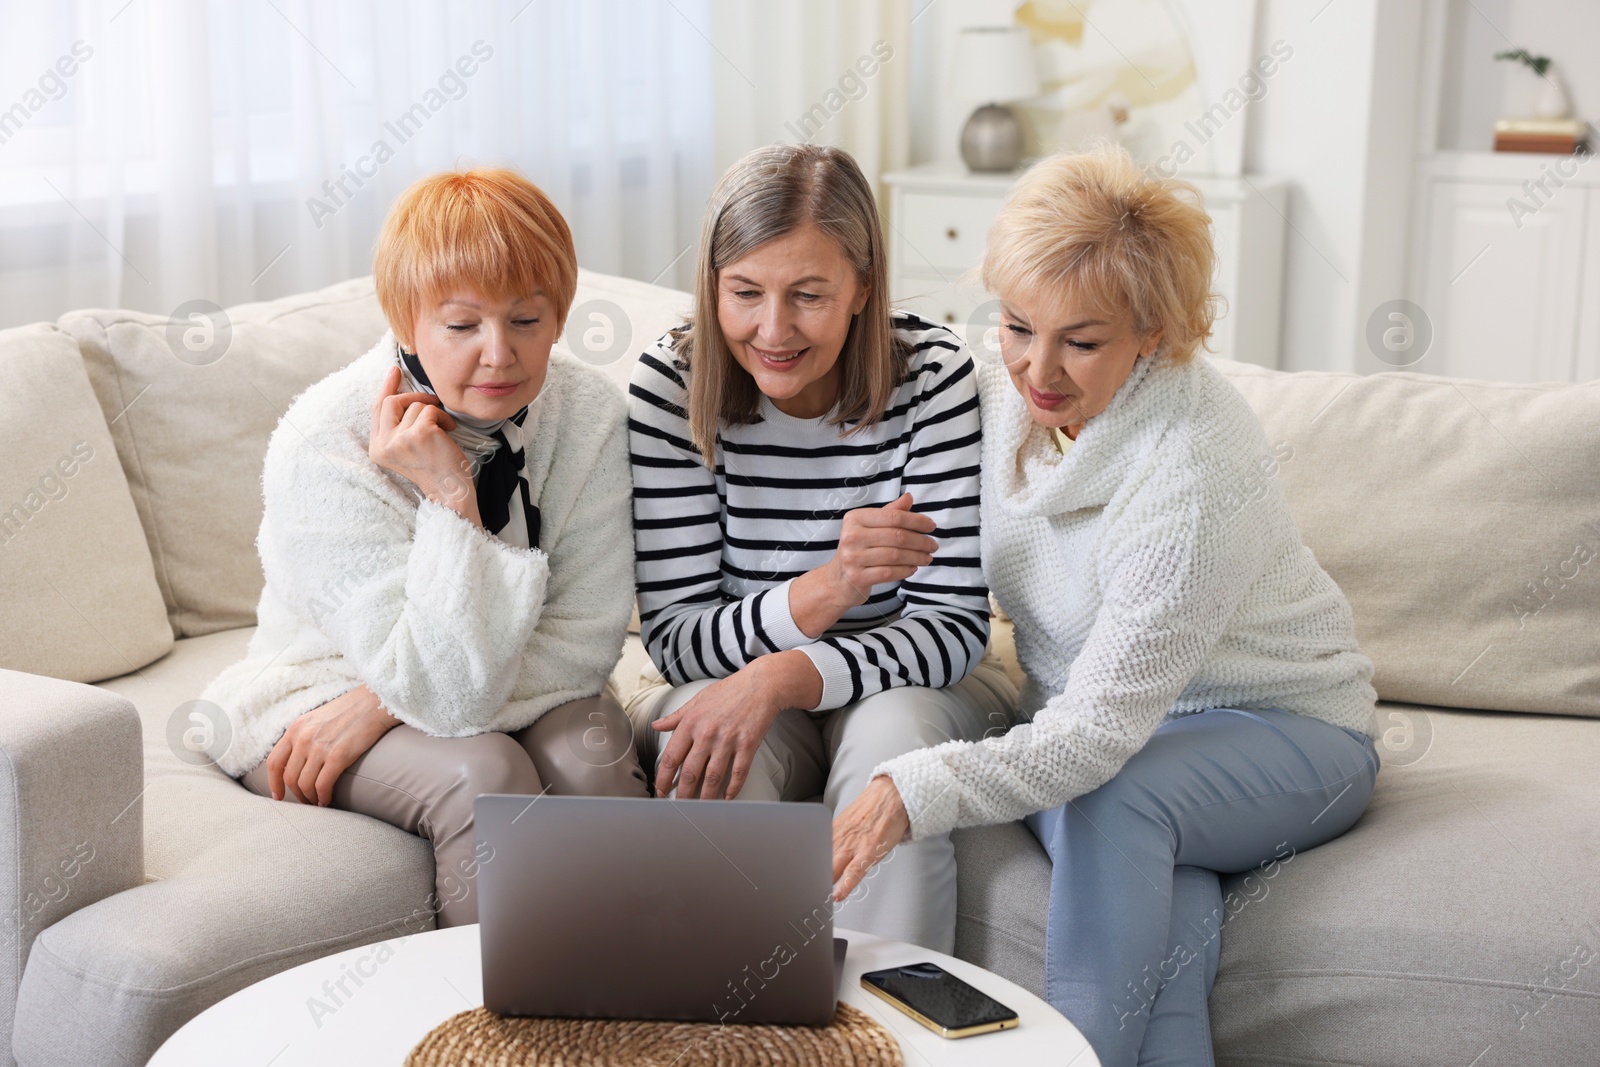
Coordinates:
[951,177]
[1511,167]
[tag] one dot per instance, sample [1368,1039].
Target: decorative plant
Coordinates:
[1537,64]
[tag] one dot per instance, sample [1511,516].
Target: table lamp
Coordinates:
[994,66]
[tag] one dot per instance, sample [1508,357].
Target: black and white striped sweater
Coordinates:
[718,549]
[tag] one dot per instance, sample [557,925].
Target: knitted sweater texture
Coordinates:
[1152,570]
[456,631]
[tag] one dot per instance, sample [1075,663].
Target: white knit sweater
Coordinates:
[457,632]
[1152,569]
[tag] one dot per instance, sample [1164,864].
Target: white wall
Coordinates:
[1392,122]
[1338,119]
[1478,90]
[1311,128]
[1341,120]
[936,118]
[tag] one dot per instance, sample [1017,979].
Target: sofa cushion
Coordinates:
[1002,900]
[78,592]
[197,403]
[1457,915]
[239,887]
[1431,499]
[71,825]
[613,319]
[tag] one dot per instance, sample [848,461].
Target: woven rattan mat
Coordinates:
[479,1038]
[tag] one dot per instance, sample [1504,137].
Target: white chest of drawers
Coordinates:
[939,216]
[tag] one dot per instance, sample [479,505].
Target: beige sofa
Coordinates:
[1458,923]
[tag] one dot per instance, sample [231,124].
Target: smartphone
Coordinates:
[939,1000]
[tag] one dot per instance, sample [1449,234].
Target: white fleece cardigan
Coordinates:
[1152,569]
[457,632]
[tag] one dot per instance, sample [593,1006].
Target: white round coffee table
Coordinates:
[394,992]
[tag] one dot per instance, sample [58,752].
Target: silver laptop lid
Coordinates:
[620,908]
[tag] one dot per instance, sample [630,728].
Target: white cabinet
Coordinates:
[938,219]
[1508,272]
[939,215]
[1587,363]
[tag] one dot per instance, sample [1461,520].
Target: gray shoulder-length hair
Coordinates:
[770,193]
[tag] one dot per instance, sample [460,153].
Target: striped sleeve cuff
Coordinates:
[778,627]
[838,675]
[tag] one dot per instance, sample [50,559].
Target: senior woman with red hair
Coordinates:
[1197,700]
[447,545]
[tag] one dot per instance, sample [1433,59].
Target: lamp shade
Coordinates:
[994,65]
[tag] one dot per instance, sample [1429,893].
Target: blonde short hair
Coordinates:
[767,194]
[1122,238]
[489,229]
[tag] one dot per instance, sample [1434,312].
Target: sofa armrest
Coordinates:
[71,812]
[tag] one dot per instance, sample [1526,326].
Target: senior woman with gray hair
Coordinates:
[805,466]
[1197,700]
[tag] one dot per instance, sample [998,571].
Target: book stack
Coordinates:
[1559,136]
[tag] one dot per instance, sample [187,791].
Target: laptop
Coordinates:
[633,908]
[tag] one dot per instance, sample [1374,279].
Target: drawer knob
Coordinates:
[951,233]
[949,316]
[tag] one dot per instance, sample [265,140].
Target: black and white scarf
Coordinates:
[496,466]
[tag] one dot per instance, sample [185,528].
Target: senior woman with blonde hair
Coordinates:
[805,466]
[1197,700]
[446,542]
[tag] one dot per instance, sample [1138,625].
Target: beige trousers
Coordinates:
[911,895]
[426,785]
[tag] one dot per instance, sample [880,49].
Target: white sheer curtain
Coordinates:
[834,72]
[158,151]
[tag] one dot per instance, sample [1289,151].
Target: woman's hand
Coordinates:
[716,734]
[876,545]
[410,437]
[865,832]
[321,744]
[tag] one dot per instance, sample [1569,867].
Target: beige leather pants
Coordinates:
[426,785]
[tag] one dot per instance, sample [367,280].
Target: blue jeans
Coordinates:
[1131,943]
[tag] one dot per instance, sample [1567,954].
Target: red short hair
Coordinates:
[489,229]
